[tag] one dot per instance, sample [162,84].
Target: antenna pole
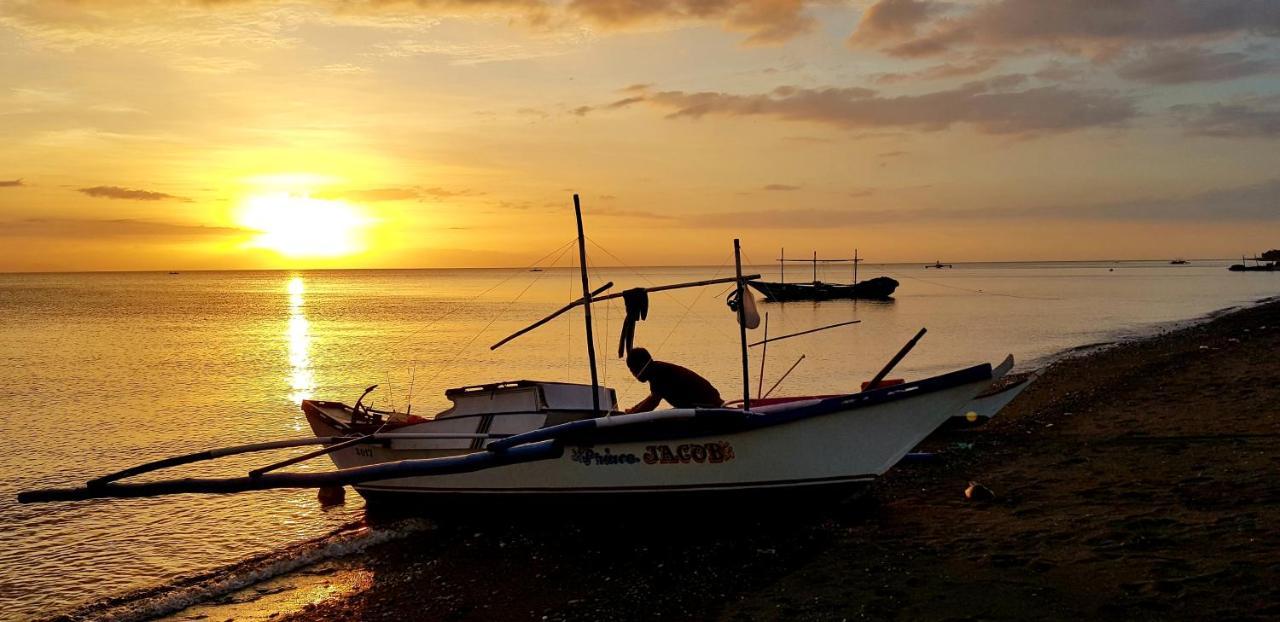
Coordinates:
[742,324]
[586,308]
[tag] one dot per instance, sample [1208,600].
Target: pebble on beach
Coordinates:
[978,492]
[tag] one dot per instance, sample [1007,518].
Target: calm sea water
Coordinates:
[102,371]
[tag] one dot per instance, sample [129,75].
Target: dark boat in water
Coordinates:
[1265,267]
[1271,259]
[879,288]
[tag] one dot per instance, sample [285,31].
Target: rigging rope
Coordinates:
[459,305]
[495,317]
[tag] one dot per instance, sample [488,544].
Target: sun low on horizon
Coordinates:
[149,135]
[301,226]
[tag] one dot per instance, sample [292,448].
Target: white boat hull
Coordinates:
[838,448]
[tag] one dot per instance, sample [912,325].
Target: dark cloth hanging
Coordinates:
[637,303]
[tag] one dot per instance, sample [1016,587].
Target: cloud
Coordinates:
[1179,65]
[1248,203]
[1087,27]
[1249,117]
[940,72]
[11,183]
[116,192]
[781,187]
[990,106]
[626,213]
[890,20]
[114,228]
[263,24]
[763,21]
[408,193]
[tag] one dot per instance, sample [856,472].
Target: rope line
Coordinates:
[495,317]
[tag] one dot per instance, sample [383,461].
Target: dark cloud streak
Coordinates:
[129,194]
[990,106]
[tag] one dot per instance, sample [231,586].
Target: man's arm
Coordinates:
[647,404]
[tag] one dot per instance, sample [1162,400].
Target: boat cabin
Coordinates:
[480,411]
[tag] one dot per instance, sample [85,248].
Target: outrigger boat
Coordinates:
[878,288]
[532,440]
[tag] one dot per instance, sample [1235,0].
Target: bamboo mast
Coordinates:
[742,324]
[586,307]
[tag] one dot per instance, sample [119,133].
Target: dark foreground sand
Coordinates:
[1140,482]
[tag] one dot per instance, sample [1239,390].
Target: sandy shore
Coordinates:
[1142,481]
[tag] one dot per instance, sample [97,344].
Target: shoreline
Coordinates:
[881,555]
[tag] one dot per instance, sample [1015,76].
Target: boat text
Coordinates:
[716,452]
[590,457]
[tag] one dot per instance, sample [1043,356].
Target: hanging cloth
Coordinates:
[637,302]
[750,315]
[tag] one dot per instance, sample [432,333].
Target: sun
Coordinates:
[300,226]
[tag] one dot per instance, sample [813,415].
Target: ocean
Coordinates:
[100,371]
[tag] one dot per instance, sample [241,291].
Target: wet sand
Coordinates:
[1138,482]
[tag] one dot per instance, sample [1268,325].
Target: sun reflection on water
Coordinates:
[302,381]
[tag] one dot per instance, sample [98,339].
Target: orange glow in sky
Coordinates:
[147,134]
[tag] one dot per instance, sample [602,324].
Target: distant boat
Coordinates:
[939,264]
[879,288]
[535,269]
[173,273]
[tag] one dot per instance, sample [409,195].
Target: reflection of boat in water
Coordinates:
[532,440]
[879,288]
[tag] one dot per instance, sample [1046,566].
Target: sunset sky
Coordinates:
[214,134]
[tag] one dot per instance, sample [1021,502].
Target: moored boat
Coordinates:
[879,288]
[531,439]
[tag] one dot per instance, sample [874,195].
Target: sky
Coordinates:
[244,134]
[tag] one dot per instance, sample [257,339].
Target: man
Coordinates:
[680,387]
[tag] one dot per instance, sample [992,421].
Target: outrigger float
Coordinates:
[531,440]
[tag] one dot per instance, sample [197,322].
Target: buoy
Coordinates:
[978,492]
[331,495]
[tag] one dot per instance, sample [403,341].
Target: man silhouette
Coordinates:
[680,387]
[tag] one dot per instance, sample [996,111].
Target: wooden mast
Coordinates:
[815,266]
[855,266]
[742,323]
[586,307]
[782,265]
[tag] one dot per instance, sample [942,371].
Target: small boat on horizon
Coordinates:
[939,265]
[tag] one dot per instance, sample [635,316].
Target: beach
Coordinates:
[1135,481]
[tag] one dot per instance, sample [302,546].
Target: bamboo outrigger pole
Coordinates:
[742,324]
[895,360]
[586,308]
[768,339]
[596,298]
